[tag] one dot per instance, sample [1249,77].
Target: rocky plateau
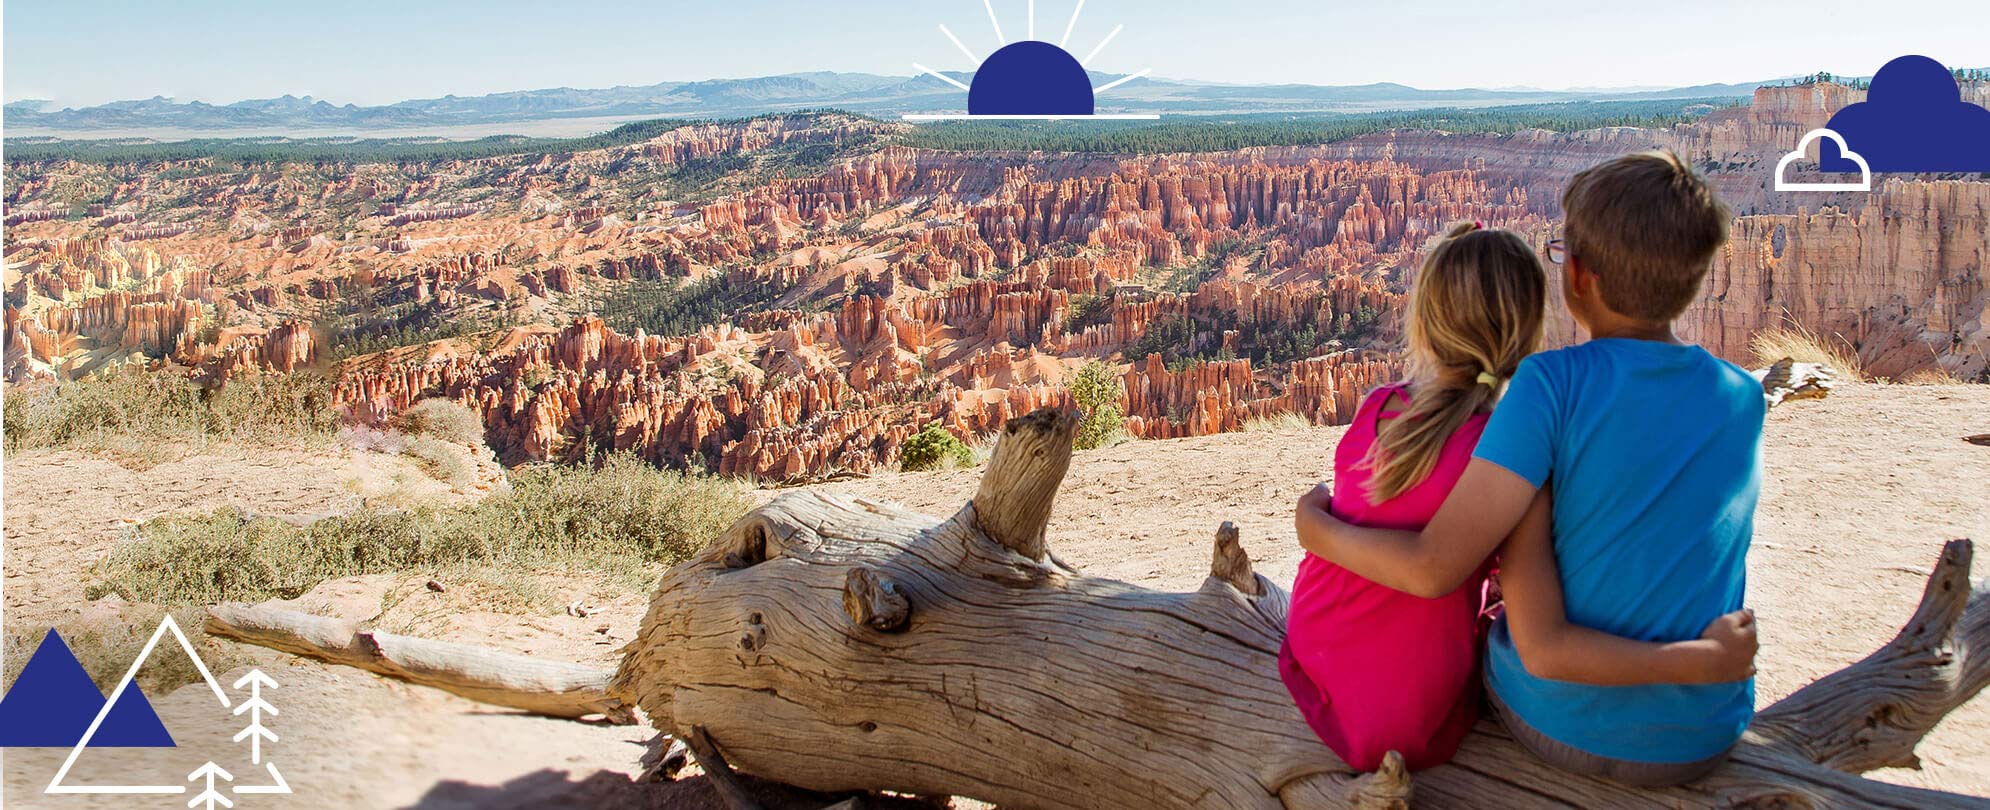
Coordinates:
[843,300]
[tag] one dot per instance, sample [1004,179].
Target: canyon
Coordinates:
[787,297]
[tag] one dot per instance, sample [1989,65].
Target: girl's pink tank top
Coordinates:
[1374,669]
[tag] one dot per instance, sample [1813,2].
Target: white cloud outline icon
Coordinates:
[1865,170]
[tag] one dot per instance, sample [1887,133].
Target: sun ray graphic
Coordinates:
[1031,79]
[1066,40]
[1102,44]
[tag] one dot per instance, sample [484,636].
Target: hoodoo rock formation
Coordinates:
[791,322]
[1922,295]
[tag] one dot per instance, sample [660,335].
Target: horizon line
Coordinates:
[1589,90]
[972,117]
[1514,89]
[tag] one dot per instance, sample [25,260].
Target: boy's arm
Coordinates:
[1487,502]
[1552,648]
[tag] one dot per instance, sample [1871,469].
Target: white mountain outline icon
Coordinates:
[55,785]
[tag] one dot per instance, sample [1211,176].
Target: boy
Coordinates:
[1652,448]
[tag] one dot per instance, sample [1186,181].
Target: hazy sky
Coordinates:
[82,52]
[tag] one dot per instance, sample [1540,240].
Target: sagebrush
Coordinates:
[623,519]
[443,419]
[148,415]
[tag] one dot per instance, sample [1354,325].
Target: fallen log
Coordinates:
[534,685]
[841,644]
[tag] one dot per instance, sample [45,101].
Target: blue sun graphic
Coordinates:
[1030,78]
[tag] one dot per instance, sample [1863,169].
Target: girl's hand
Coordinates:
[1730,648]
[1311,519]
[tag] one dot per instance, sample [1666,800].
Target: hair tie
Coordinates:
[1478,224]
[1488,378]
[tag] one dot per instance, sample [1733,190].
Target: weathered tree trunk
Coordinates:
[534,685]
[841,644]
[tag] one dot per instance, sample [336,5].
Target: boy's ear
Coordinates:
[1581,282]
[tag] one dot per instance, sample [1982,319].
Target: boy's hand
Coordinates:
[1731,646]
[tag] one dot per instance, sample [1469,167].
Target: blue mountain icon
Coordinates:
[53,701]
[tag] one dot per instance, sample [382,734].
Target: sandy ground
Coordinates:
[65,509]
[1861,490]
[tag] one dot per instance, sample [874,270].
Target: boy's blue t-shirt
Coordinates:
[1654,453]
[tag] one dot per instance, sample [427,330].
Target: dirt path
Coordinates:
[65,509]
[1861,490]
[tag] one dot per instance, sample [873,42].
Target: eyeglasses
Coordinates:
[1558,251]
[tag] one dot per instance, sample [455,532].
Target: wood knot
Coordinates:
[874,601]
[748,539]
[1231,564]
[367,644]
[1387,788]
[754,636]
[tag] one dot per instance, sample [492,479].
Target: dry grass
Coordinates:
[444,419]
[442,460]
[1277,423]
[623,520]
[142,418]
[490,588]
[981,448]
[1933,376]
[106,650]
[1805,346]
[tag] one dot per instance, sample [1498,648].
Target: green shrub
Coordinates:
[623,519]
[1088,310]
[934,448]
[1096,389]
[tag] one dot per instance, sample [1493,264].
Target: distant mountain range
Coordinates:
[856,92]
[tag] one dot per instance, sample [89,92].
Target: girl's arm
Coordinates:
[1482,509]
[1552,648]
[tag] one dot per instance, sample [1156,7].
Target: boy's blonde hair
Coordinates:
[1475,312]
[1648,226]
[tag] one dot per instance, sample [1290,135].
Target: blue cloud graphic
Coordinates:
[1913,120]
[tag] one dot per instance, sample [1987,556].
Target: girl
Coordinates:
[1375,670]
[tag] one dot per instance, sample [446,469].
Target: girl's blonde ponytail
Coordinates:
[1475,312]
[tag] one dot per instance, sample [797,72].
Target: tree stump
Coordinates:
[841,644]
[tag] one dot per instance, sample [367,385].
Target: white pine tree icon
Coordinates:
[255,706]
[210,796]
